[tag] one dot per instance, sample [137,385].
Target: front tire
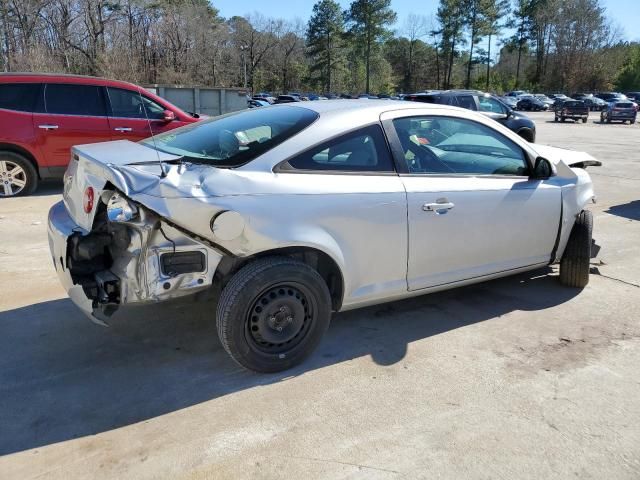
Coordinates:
[18,176]
[574,266]
[273,313]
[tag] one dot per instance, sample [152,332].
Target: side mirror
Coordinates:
[168,116]
[542,169]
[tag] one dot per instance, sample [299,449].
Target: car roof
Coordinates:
[62,78]
[375,107]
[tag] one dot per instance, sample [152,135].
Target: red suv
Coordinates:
[42,116]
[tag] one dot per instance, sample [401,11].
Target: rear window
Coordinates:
[234,139]
[19,96]
[573,104]
[624,105]
[72,99]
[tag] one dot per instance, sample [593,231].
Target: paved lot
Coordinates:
[516,378]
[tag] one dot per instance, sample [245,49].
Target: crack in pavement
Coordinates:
[596,271]
[612,176]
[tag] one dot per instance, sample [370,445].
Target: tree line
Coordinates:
[566,45]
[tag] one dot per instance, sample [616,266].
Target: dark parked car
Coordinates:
[485,104]
[592,102]
[635,96]
[622,111]
[572,109]
[287,99]
[531,104]
[610,96]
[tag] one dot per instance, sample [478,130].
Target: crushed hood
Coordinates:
[570,158]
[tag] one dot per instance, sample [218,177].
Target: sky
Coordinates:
[625,13]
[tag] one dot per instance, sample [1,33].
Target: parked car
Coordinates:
[130,229]
[266,96]
[592,102]
[571,109]
[43,115]
[287,99]
[485,104]
[511,102]
[253,103]
[516,93]
[558,96]
[619,111]
[610,96]
[531,103]
[544,99]
[633,96]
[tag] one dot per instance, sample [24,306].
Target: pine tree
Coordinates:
[325,40]
[368,27]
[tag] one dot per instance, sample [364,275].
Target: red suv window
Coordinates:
[72,99]
[19,96]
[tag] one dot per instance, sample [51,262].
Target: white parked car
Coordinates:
[297,211]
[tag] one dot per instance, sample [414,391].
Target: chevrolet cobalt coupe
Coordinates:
[297,211]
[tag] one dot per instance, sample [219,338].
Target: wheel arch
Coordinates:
[12,147]
[322,262]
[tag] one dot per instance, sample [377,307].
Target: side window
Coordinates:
[447,145]
[364,150]
[488,104]
[72,99]
[467,101]
[19,96]
[130,104]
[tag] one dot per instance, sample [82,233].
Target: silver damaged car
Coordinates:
[297,211]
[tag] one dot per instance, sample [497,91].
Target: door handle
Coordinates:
[123,129]
[439,207]
[48,127]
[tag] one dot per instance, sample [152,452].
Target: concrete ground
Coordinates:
[515,378]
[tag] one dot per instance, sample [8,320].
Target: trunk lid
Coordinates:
[93,166]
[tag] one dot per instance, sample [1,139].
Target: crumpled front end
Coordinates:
[130,256]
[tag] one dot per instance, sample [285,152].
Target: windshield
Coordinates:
[234,139]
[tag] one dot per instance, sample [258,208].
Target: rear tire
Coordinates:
[574,266]
[584,120]
[18,176]
[273,313]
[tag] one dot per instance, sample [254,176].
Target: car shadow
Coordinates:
[48,187]
[62,377]
[629,210]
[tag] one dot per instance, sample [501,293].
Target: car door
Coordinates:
[134,116]
[70,114]
[353,198]
[473,210]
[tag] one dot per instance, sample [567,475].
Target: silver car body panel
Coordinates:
[373,226]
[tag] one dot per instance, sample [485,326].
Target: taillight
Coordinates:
[88,200]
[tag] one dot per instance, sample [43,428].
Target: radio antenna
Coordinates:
[153,139]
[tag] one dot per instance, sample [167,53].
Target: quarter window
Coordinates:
[72,99]
[19,96]
[467,101]
[363,150]
[445,145]
[129,104]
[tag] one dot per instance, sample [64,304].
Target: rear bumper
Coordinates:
[60,227]
[136,274]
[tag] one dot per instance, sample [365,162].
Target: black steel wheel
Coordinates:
[273,313]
